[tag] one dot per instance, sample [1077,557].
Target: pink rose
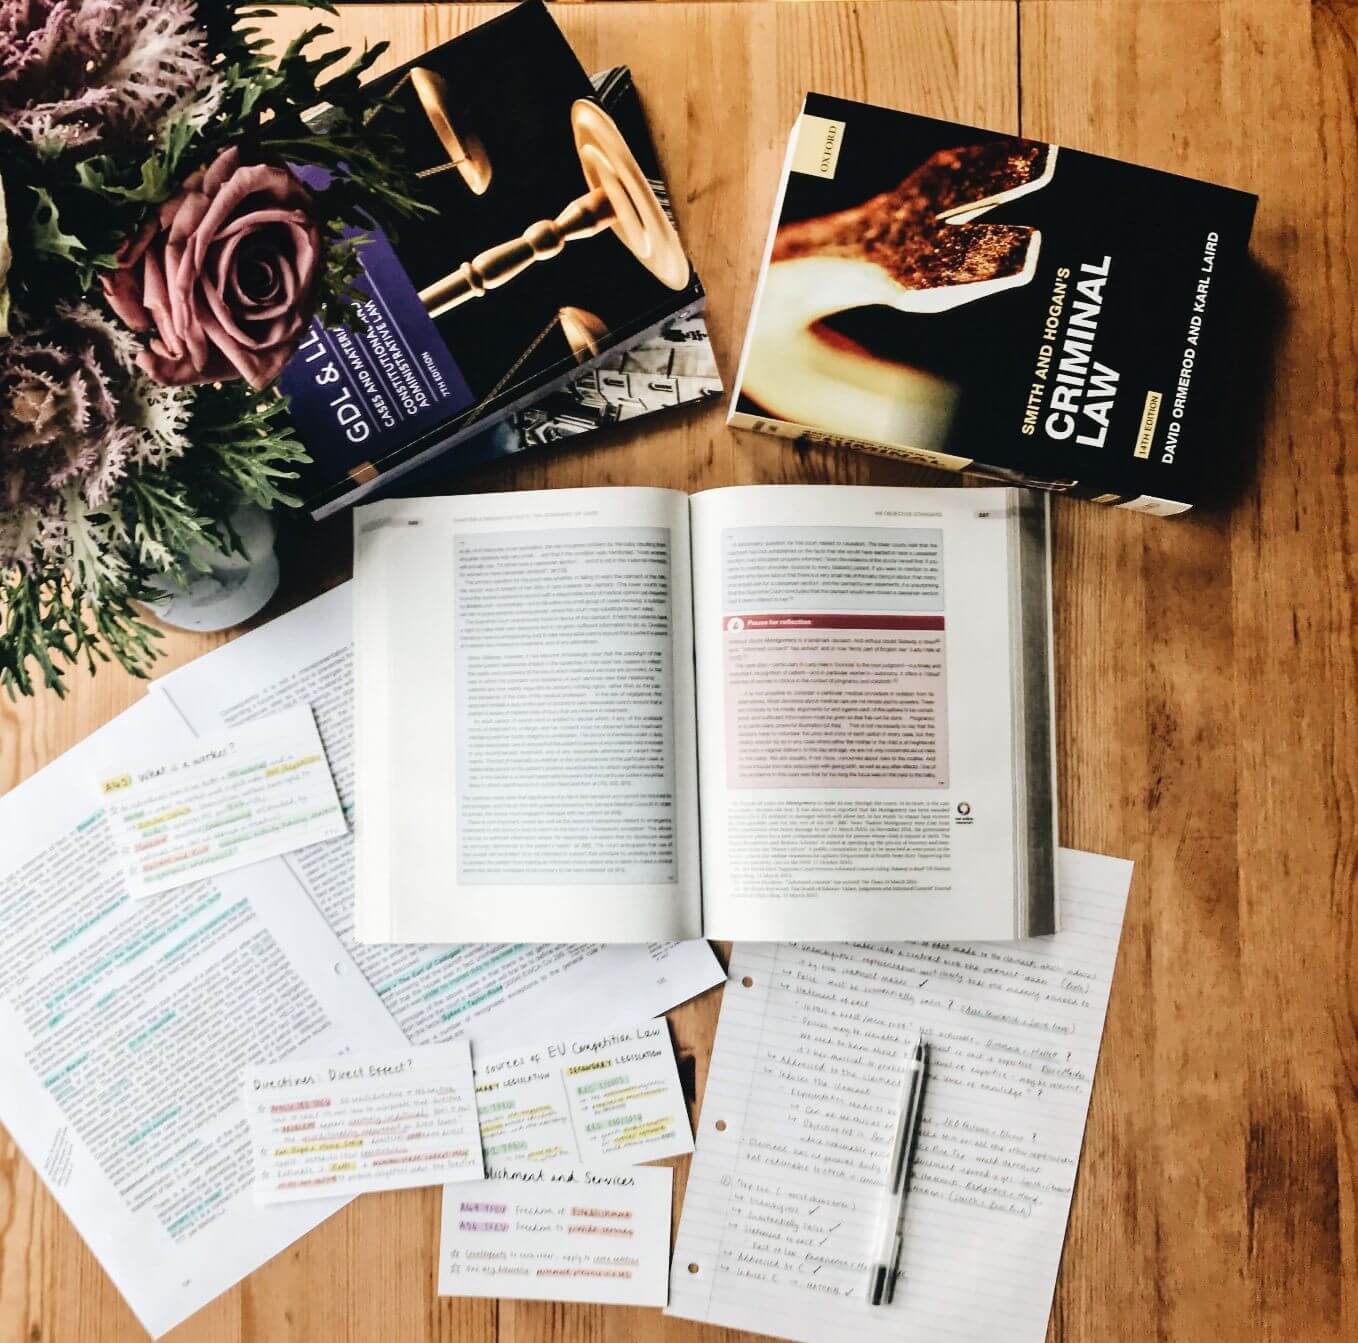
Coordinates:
[224,276]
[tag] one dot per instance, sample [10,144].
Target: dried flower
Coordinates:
[76,414]
[224,275]
[96,72]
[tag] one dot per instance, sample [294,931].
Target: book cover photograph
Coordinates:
[549,244]
[671,369]
[988,303]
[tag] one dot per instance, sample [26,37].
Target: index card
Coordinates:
[559,1233]
[227,800]
[359,1123]
[605,1100]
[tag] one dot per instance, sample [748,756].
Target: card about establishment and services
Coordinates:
[559,1233]
[605,1100]
[362,1123]
[235,798]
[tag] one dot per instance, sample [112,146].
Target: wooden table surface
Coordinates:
[1207,683]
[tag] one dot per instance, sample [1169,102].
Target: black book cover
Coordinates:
[551,246]
[984,302]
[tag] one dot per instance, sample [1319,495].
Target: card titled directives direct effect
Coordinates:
[559,1233]
[360,1123]
[235,798]
[606,1100]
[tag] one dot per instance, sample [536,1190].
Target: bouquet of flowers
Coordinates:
[160,261]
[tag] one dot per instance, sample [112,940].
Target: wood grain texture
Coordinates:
[1207,675]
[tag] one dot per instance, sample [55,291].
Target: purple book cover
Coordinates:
[377,383]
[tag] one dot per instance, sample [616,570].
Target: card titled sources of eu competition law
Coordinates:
[230,799]
[361,1123]
[610,1099]
[559,1233]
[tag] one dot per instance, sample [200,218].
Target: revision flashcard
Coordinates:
[559,1233]
[234,798]
[358,1123]
[608,1100]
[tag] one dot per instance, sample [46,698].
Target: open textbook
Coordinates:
[126,1025]
[868,737]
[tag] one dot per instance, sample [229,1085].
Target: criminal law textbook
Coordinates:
[976,301]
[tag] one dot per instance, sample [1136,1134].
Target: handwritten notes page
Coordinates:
[359,1123]
[559,1233]
[801,1107]
[231,799]
[611,1099]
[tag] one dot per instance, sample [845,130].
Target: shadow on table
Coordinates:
[1262,319]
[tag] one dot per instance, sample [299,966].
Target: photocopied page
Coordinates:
[125,1026]
[525,733]
[801,1107]
[861,738]
[499,994]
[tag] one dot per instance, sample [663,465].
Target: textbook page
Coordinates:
[499,994]
[863,734]
[525,731]
[125,1026]
[800,1111]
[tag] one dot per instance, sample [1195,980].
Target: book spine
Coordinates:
[806,435]
[367,482]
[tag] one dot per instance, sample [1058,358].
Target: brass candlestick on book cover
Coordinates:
[548,249]
[982,302]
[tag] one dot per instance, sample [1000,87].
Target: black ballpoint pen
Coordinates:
[887,1259]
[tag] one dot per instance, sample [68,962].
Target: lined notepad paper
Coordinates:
[801,1106]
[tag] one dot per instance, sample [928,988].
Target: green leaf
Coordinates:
[159,172]
[46,621]
[46,233]
[303,39]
